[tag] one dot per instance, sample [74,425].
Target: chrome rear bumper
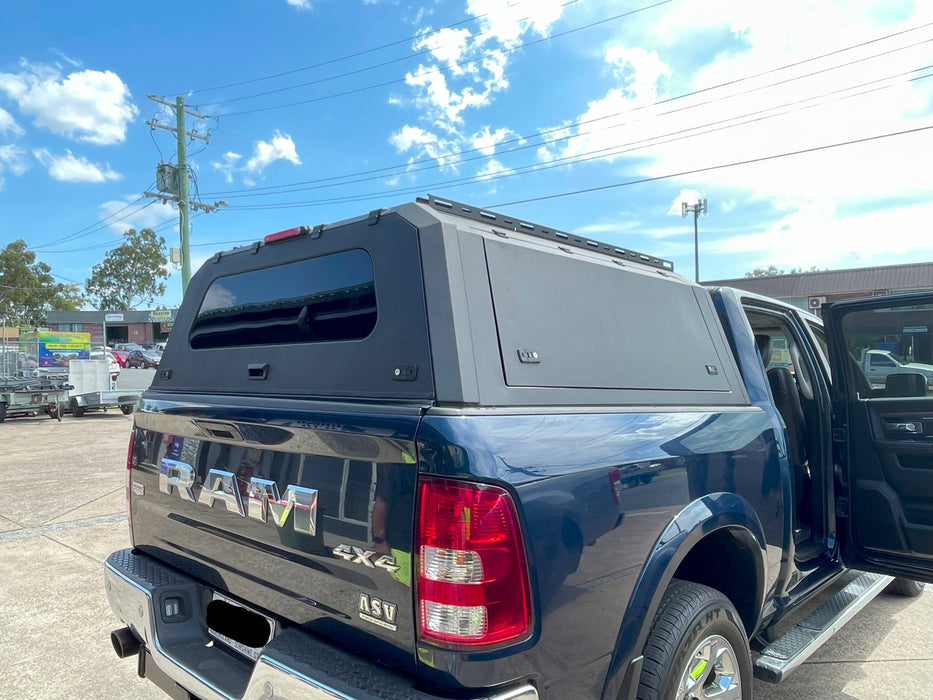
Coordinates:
[292,665]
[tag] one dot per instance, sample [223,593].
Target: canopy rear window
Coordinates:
[326,298]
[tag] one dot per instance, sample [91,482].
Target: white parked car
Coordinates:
[100,353]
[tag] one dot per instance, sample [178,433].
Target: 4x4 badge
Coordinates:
[358,555]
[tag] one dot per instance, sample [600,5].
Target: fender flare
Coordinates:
[709,514]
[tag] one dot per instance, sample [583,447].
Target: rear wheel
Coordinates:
[2,411]
[697,648]
[127,409]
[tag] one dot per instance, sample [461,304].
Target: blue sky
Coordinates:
[591,116]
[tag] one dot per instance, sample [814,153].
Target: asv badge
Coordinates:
[378,611]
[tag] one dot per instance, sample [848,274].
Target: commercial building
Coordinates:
[810,290]
[110,328]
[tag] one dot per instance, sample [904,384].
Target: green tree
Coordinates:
[28,290]
[769,271]
[130,274]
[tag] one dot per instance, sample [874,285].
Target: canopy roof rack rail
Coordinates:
[552,234]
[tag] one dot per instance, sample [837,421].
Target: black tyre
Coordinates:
[697,648]
[76,410]
[2,411]
[905,587]
[127,409]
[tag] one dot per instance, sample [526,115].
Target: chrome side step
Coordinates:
[780,657]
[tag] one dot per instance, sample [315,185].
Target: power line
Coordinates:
[215,243]
[448,68]
[102,224]
[93,228]
[111,244]
[406,167]
[608,151]
[356,54]
[371,67]
[618,149]
[721,166]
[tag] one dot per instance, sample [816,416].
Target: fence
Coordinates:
[18,359]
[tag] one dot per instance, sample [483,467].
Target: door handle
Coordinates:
[908,428]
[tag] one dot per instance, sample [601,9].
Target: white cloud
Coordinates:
[72,168]
[425,142]
[490,168]
[614,124]
[228,166]
[446,46]
[669,113]
[486,140]
[467,69]
[408,136]
[12,158]
[817,235]
[90,106]
[8,124]
[688,197]
[300,4]
[505,21]
[126,217]
[281,147]
[640,69]
[73,62]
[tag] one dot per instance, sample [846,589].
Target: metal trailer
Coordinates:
[102,400]
[93,389]
[32,396]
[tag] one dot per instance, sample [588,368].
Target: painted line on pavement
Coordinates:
[60,527]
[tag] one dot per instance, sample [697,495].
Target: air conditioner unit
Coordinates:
[816,302]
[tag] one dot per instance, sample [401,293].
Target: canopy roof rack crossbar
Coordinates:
[502,221]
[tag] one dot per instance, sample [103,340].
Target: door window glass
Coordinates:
[890,350]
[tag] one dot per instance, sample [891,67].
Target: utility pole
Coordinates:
[697,209]
[178,189]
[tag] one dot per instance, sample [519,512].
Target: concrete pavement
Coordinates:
[62,511]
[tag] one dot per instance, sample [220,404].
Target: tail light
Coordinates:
[473,584]
[615,484]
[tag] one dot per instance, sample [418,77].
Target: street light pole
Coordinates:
[697,209]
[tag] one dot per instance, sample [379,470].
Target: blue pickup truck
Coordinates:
[437,452]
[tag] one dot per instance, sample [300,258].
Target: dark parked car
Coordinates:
[145,359]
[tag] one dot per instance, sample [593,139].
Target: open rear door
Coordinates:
[884,434]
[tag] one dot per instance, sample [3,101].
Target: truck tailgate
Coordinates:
[303,509]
